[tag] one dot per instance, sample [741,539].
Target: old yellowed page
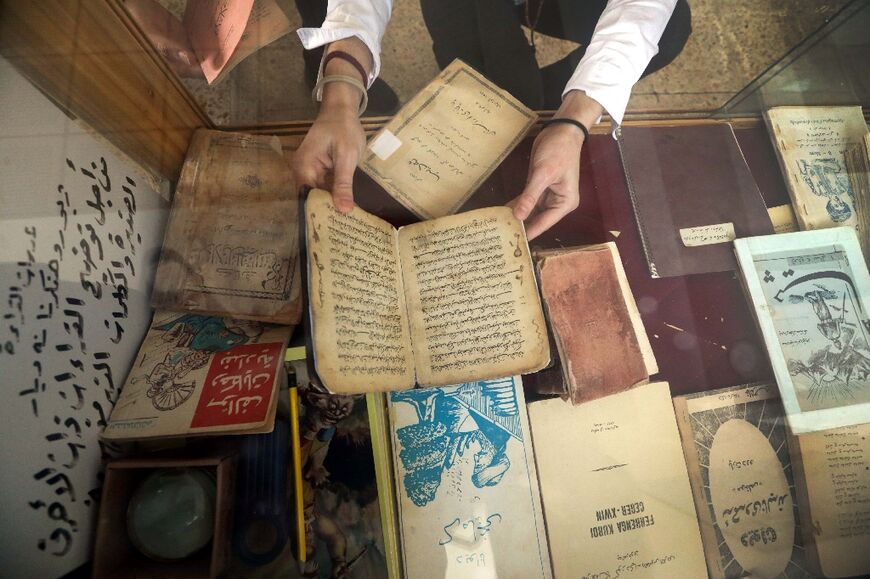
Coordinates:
[473,302]
[231,246]
[446,141]
[358,317]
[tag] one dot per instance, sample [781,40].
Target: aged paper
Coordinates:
[467,486]
[472,298]
[835,498]
[358,315]
[197,374]
[614,487]
[740,469]
[215,28]
[708,234]
[810,142]
[266,24]
[810,294]
[231,247]
[446,141]
[782,218]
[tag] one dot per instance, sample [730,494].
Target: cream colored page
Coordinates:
[836,465]
[614,486]
[359,324]
[441,146]
[473,304]
[810,142]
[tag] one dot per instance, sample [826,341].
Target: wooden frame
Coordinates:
[89,58]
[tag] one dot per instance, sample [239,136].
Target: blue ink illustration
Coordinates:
[453,420]
[828,178]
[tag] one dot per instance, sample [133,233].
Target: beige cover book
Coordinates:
[858,167]
[735,444]
[232,244]
[196,375]
[832,478]
[809,144]
[614,486]
[446,141]
[439,302]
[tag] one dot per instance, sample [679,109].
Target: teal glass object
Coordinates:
[171,514]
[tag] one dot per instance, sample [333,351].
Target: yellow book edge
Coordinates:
[295,440]
[381,449]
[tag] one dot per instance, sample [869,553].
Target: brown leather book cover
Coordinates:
[597,328]
[693,194]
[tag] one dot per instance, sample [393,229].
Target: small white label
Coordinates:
[385,145]
[708,234]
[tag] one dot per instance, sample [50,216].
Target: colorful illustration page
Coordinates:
[468,497]
[821,323]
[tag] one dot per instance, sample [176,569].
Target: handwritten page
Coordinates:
[359,322]
[215,28]
[810,144]
[835,486]
[614,486]
[473,302]
[266,24]
[446,141]
[232,245]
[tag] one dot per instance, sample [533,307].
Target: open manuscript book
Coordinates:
[440,302]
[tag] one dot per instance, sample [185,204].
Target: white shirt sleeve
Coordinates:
[625,40]
[365,19]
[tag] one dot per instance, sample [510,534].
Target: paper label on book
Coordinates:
[707,234]
[385,145]
[732,397]
[238,386]
[782,218]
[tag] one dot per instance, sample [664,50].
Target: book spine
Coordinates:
[632,193]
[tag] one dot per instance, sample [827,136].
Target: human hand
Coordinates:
[330,151]
[553,186]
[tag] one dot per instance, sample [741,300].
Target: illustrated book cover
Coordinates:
[810,144]
[614,487]
[809,291]
[469,505]
[231,246]
[692,194]
[197,375]
[442,145]
[858,168]
[439,302]
[736,448]
[600,338]
[832,476]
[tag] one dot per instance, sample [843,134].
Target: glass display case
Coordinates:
[677,287]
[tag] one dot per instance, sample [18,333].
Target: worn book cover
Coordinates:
[468,490]
[809,144]
[600,337]
[692,194]
[446,141]
[198,375]
[614,487]
[735,442]
[858,168]
[809,291]
[832,476]
[440,302]
[231,246]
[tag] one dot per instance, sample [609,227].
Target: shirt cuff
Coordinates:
[604,80]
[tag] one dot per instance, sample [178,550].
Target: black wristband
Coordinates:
[567,121]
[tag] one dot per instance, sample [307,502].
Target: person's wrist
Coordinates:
[580,107]
[341,98]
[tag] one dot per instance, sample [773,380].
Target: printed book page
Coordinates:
[810,142]
[358,316]
[446,141]
[473,302]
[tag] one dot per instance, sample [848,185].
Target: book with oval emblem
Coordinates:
[737,454]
